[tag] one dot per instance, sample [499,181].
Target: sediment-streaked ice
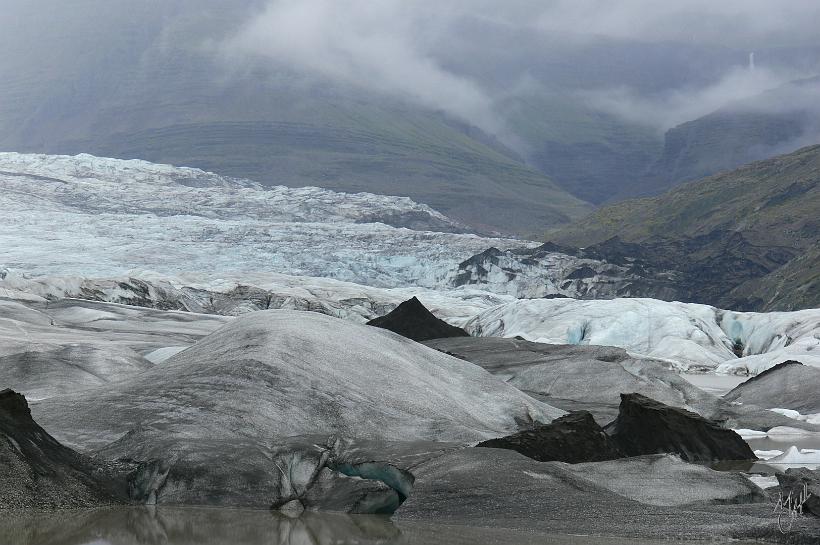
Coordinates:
[284,373]
[692,336]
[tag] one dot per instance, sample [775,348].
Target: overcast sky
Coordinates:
[398,46]
[463,57]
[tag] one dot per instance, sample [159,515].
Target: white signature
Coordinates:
[790,507]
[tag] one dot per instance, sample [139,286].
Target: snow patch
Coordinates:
[810,418]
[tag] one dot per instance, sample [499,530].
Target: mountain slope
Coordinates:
[759,218]
[589,153]
[154,80]
[426,160]
[149,86]
[777,121]
[793,286]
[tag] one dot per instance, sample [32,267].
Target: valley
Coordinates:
[344,272]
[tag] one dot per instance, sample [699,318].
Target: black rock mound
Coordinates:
[574,438]
[646,426]
[787,385]
[411,319]
[36,471]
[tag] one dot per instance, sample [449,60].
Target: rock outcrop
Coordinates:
[788,385]
[36,471]
[573,438]
[411,319]
[646,426]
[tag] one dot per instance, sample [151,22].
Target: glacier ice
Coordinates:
[173,238]
[232,295]
[810,418]
[282,373]
[796,457]
[762,481]
[94,216]
[772,337]
[49,349]
[692,336]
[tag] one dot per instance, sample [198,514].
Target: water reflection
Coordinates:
[193,526]
[783,442]
[185,526]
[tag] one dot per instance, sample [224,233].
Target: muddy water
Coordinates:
[199,526]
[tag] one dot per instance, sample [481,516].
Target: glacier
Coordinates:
[174,299]
[283,373]
[236,294]
[94,216]
[54,348]
[694,337]
[84,214]
[172,238]
[690,337]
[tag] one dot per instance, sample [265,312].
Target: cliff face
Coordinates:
[722,141]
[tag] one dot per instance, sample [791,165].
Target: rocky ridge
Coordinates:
[645,426]
[412,320]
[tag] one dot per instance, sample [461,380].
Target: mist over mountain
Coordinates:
[773,122]
[505,118]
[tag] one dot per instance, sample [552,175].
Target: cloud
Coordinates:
[736,23]
[377,45]
[424,52]
[671,108]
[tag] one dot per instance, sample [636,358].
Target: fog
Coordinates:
[734,23]
[648,62]
[373,44]
[406,48]
[677,106]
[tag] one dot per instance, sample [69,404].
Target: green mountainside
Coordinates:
[755,229]
[589,153]
[793,286]
[415,155]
